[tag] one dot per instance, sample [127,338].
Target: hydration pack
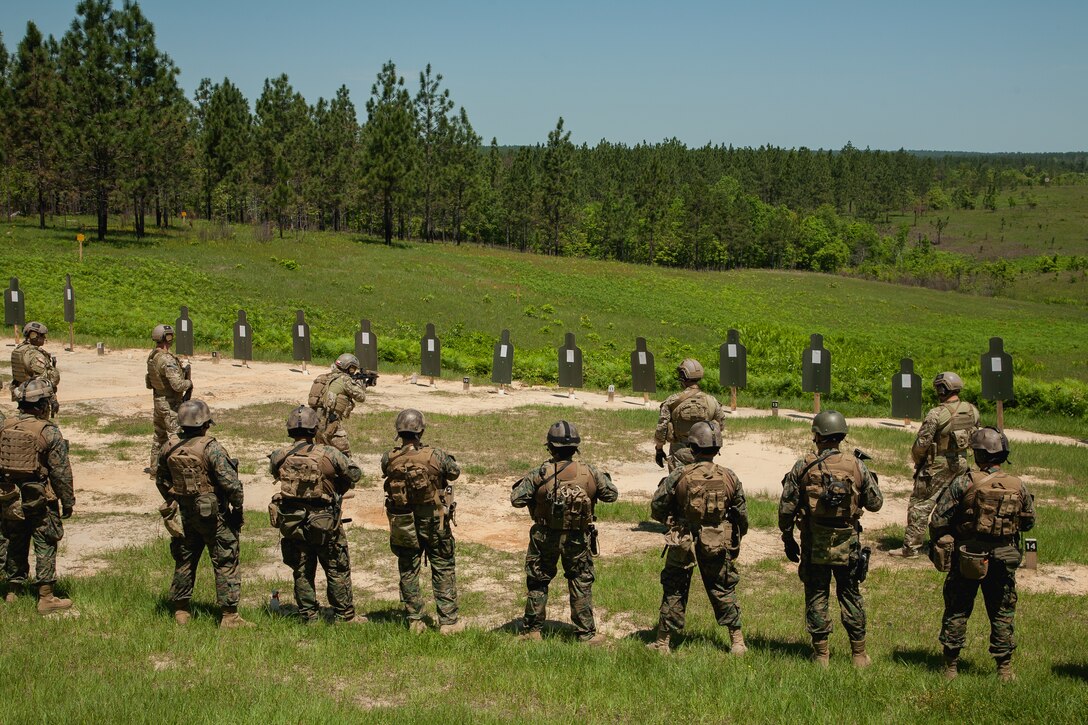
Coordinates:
[564,500]
[188,466]
[704,492]
[413,477]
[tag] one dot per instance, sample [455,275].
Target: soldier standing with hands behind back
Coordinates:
[170,385]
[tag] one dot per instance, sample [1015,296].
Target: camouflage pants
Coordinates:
[165,417]
[817,580]
[304,557]
[720,579]
[999,595]
[436,541]
[546,548]
[43,531]
[222,544]
[333,434]
[680,455]
[923,498]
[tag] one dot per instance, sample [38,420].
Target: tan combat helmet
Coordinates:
[690,369]
[34,392]
[346,362]
[409,420]
[989,440]
[563,435]
[705,436]
[35,331]
[303,417]
[829,423]
[947,383]
[162,332]
[194,414]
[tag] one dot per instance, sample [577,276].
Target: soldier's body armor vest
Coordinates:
[991,506]
[703,493]
[564,499]
[691,407]
[318,399]
[155,379]
[318,389]
[306,473]
[831,488]
[954,436]
[188,465]
[22,443]
[413,477]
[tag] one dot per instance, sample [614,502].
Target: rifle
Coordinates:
[369,378]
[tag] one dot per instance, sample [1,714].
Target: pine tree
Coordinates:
[557,178]
[432,106]
[389,142]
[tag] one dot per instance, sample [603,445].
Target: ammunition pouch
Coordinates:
[974,563]
[1009,555]
[715,540]
[940,553]
[275,516]
[831,545]
[206,505]
[171,519]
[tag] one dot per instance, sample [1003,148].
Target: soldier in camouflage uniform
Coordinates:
[29,361]
[563,495]
[195,472]
[680,412]
[419,504]
[939,456]
[36,492]
[704,506]
[308,511]
[984,511]
[824,495]
[170,385]
[334,395]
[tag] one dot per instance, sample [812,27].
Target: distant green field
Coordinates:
[124,287]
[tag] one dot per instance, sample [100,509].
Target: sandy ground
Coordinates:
[113,491]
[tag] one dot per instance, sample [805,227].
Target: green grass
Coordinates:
[471,293]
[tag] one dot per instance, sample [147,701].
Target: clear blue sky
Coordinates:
[967,75]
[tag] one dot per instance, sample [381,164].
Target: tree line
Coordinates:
[96,122]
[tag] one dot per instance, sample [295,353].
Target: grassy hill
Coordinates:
[125,286]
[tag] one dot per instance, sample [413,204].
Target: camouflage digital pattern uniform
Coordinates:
[718,572]
[817,577]
[679,451]
[167,381]
[547,546]
[434,538]
[31,361]
[937,471]
[43,527]
[999,585]
[212,532]
[304,554]
[340,398]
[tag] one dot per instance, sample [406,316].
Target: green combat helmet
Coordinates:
[162,332]
[33,392]
[690,369]
[33,330]
[194,414]
[705,436]
[563,435]
[303,417]
[947,383]
[829,423]
[346,362]
[409,420]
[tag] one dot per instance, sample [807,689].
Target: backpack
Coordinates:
[832,486]
[21,445]
[318,390]
[413,477]
[188,466]
[688,411]
[304,473]
[704,492]
[954,435]
[564,499]
[992,504]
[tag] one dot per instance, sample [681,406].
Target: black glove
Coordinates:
[66,512]
[793,550]
[659,458]
[235,517]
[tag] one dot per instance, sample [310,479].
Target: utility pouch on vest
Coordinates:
[275,517]
[207,506]
[1008,555]
[171,519]
[940,553]
[679,549]
[715,540]
[831,546]
[293,523]
[33,495]
[402,530]
[974,564]
[11,503]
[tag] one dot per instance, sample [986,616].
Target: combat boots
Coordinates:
[951,663]
[356,619]
[48,603]
[858,654]
[907,552]
[736,638]
[448,629]
[821,655]
[661,641]
[417,626]
[232,620]
[596,640]
[1004,668]
[12,593]
[532,635]
[181,613]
